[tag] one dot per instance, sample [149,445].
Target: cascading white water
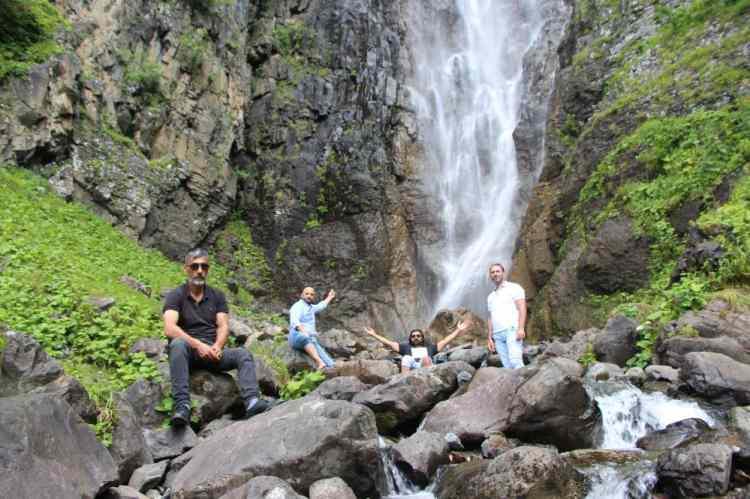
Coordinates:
[468,93]
[398,486]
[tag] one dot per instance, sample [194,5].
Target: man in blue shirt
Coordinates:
[302,333]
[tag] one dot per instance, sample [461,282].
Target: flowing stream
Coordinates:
[468,93]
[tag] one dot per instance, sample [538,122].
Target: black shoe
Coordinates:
[181,415]
[257,408]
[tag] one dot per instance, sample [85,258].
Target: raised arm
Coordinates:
[393,345]
[460,328]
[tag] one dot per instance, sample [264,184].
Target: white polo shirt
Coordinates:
[501,305]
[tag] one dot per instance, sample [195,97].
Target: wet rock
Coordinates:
[419,456]
[616,344]
[169,442]
[300,441]
[672,351]
[739,418]
[48,451]
[636,376]
[590,457]
[717,377]
[673,435]
[341,388]
[128,447]
[494,445]
[371,372]
[601,371]
[695,470]
[148,476]
[531,472]
[331,488]
[406,397]
[662,373]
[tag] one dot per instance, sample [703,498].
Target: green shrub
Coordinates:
[588,357]
[301,384]
[142,72]
[27,29]
[194,46]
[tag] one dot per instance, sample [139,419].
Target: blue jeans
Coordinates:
[299,341]
[509,348]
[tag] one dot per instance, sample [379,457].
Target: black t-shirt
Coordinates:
[406,349]
[198,319]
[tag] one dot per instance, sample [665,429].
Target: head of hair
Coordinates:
[416,331]
[195,253]
[497,264]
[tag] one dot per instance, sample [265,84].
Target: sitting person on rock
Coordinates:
[507,318]
[302,333]
[418,352]
[196,321]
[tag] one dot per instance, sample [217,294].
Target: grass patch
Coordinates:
[27,29]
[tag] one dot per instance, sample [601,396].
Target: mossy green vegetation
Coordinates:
[673,161]
[143,72]
[27,29]
[246,261]
[55,256]
[193,50]
[301,384]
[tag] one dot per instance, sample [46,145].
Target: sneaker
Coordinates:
[255,407]
[181,415]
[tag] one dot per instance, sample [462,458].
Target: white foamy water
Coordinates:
[397,484]
[468,93]
[632,481]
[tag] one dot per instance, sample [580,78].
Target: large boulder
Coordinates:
[474,355]
[695,470]
[169,442]
[419,456]
[407,396]
[717,377]
[301,441]
[263,487]
[524,472]
[25,365]
[144,396]
[672,350]
[48,451]
[573,349]
[545,404]
[739,419]
[718,319]
[215,394]
[331,488]
[616,344]
[673,435]
[341,388]
[128,448]
[372,372]
[71,391]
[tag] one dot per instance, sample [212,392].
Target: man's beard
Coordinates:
[417,343]
[198,281]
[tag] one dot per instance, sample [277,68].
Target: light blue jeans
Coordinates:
[509,348]
[298,341]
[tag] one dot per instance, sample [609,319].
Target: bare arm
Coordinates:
[393,345]
[521,306]
[222,330]
[330,296]
[462,326]
[490,343]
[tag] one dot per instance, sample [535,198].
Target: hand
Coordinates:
[204,351]
[331,295]
[301,329]
[521,334]
[216,352]
[463,325]
[370,331]
[491,345]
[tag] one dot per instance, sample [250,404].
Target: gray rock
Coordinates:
[662,373]
[128,448]
[454,443]
[494,445]
[268,382]
[573,349]
[169,442]
[148,476]
[100,303]
[474,356]
[407,396]
[616,344]
[419,456]
[215,426]
[70,389]
[263,487]
[342,344]
[331,488]
[145,396]
[153,348]
[133,283]
[672,351]
[300,441]
[739,419]
[695,470]
[601,371]
[25,365]
[636,376]
[521,472]
[48,451]
[123,492]
[673,435]
[341,388]
[718,319]
[371,372]
[215,394]
[716,376]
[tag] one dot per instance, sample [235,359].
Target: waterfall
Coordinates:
[468,92]
[397,485]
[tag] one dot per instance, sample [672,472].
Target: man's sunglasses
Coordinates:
[196,266]
[416,335]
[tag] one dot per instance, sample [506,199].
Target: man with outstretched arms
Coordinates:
[507,318]
[196,321]
[302,333]
[417,351]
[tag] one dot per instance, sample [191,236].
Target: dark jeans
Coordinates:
[182,358]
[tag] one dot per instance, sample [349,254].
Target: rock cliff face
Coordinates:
[632,76]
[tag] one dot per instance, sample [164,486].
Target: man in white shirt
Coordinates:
[507,311]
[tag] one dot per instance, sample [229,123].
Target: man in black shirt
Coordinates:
[196,321]
[418,352]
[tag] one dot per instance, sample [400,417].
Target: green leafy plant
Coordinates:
[301,384]
[588,357]
[193,49]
